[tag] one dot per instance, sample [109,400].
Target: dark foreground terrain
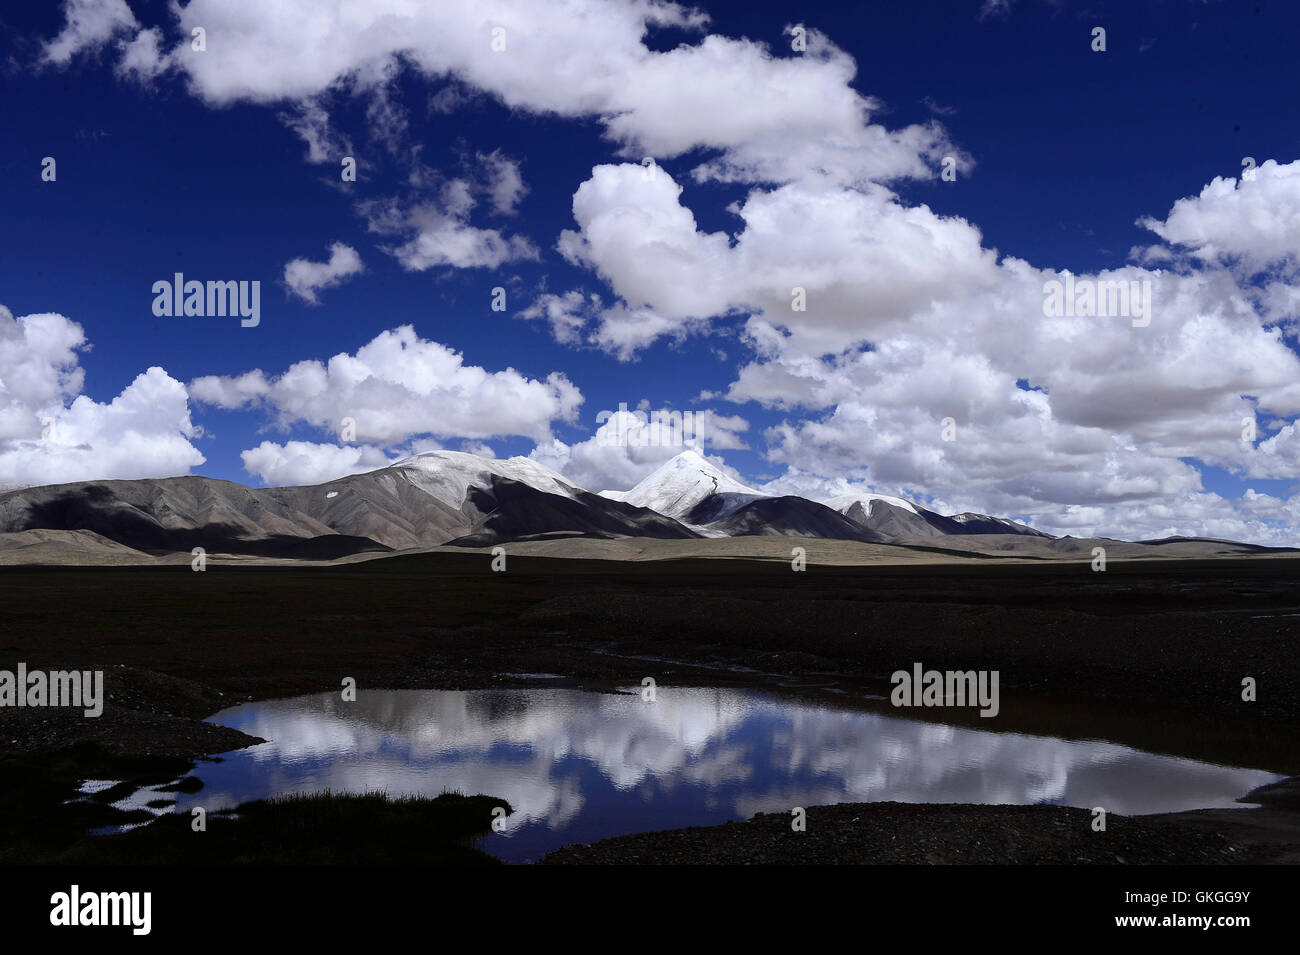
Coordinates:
[1148,654]
[892,833]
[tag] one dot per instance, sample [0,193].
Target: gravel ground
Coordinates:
[145,714]
[908,834]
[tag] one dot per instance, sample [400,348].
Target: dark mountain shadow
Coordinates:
[512,510]
[788,516]
[96,508]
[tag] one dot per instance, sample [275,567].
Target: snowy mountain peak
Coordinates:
[844,502]
[448,475]
[678,485]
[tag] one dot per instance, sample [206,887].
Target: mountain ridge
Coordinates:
[441,497]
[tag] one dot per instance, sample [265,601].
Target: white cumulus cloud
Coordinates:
[51,433]
[398,386]
[88,25]
[305,278]
[307,462]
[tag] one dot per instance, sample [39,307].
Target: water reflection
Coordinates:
[578,765]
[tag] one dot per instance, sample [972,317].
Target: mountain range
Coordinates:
[693,491]
[450,497]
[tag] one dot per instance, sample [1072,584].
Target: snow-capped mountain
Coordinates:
[707,499]
[891,517]
[865,502]
[448,475]
[441,497]
[679,486]
[432,498]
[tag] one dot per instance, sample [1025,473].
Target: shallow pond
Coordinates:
[579,765]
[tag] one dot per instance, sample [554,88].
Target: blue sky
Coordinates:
[223,164]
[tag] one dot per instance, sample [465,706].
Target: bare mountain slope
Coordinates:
[449,497]
[441,496]
[424,501]
[166,515]
[895,519]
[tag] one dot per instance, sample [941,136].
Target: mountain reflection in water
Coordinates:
[579,765]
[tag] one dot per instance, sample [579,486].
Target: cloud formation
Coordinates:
[398,386]
[874,324]
[305,278]
[89,25]
[51,433]
[309,462]
[769,113]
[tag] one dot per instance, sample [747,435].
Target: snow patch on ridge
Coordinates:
[449,475]
[843,502]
